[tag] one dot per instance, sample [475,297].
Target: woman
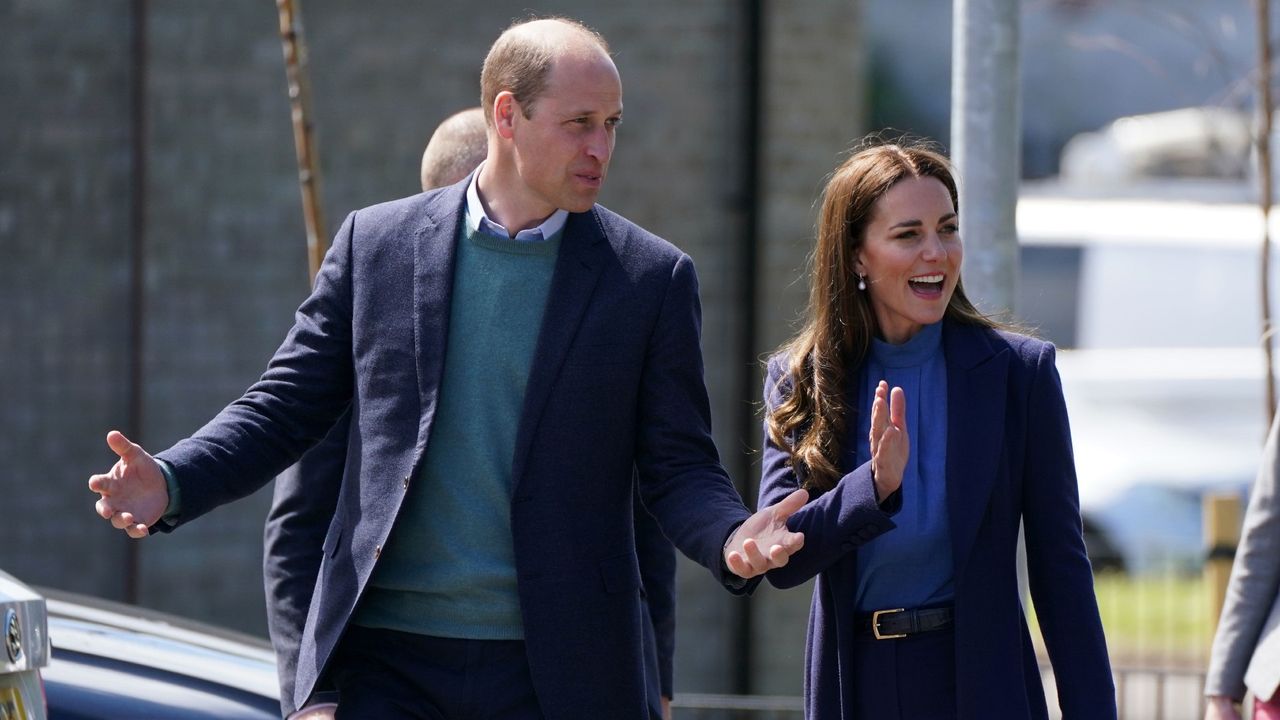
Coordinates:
[925,433]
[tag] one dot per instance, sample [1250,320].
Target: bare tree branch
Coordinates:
[295,66]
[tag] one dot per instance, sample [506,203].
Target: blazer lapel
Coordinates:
[578,267]
[976,388]
[434,249]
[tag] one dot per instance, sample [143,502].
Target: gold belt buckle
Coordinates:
[875,624]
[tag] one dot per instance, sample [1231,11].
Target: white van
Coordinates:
[1153,292]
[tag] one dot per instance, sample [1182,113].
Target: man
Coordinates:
[510,351]
[306,496]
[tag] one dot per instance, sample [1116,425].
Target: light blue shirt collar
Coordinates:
[478,221]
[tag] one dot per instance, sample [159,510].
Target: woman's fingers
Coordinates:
[879,414]
[890,443]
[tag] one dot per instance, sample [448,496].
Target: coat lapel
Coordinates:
[976,388]
[583,252]
[434,249]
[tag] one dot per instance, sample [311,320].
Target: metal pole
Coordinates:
[985,146]
[986,151]
[295,66]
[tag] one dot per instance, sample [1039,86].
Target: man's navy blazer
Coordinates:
[305,498]
[616,382]
[1008,460]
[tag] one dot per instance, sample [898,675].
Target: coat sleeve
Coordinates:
[681,479]
[306,387]
[306,496]
[1058,568]
[834,523]
[1255,580]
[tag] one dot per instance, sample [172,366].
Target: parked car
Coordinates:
[25,641]
[112,661]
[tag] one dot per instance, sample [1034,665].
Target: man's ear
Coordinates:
[505,109]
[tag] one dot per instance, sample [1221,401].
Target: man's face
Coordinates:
[562,152]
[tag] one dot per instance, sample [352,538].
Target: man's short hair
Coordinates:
[456,147]
[520,61]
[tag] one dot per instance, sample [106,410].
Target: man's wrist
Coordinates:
[173,510]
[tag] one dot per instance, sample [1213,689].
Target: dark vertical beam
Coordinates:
[753,56]
[137,255]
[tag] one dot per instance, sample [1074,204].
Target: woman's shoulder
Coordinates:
[777,379]
[1024,347]
[778,365]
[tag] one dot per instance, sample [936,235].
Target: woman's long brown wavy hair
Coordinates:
[812,417]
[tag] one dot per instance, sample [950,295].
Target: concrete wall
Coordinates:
[223,262]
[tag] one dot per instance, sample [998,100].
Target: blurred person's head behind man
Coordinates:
[456,147]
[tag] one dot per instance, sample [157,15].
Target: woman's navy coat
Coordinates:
[1008,459]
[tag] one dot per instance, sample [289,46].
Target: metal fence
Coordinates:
[1142,693]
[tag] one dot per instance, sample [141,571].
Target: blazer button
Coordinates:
[406,482]
[377,552]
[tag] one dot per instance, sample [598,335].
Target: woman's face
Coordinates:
[911,256]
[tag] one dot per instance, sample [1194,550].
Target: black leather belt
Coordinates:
[899,623]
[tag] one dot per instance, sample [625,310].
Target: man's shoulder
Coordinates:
[408,211]
[632,240]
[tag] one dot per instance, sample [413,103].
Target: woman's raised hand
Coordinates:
[890,443]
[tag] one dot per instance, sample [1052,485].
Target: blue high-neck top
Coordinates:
[910,566]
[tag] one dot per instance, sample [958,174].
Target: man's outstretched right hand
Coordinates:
[134,493]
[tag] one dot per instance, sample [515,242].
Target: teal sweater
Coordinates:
[448,569]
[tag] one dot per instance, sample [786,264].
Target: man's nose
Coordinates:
[600,145]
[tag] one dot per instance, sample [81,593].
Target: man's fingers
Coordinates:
[137,531]
[790,504]
[737,564]
[100,484]
[104,509]
[755,558]
[778,556]
[121,445]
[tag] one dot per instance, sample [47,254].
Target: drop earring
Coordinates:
[862,282]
